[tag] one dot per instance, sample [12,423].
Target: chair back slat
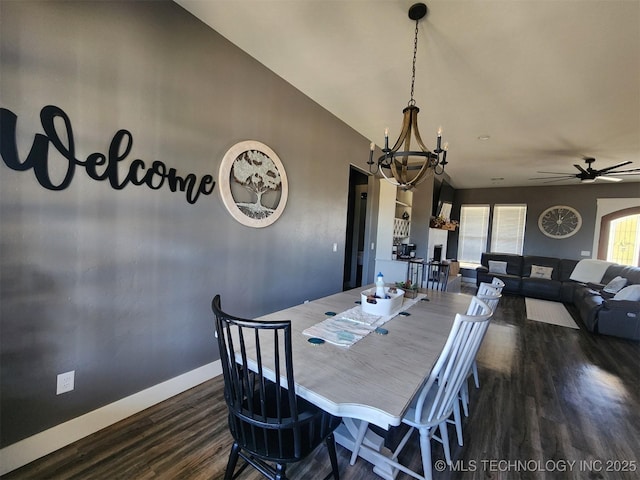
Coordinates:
[453,364]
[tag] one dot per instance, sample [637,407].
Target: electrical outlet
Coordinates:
[335,247]
[585,253]
[65,382]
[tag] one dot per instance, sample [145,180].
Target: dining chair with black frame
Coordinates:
[270,424]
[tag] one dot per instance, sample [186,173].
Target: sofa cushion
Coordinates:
[541,288]
[632,293]
[620,318]
[615,285]
[566,269]
[497,267]
[632,274]
[511,282]
[589,307]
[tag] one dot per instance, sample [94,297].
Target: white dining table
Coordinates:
[374,380]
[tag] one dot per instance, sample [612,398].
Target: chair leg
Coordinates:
[281,471]
[425,450]
[233,460]
[458,421]
[474,366]
[331,447]
[464,398]
[444,435]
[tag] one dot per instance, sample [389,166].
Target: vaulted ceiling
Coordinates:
[547,81]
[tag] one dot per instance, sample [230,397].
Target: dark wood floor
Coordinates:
[549,396]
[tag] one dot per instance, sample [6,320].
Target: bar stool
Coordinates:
[437,274]
[415,272]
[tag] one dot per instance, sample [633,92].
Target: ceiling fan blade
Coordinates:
[614,167]
[558,177]
[632,171]
[582,170]
[559,173]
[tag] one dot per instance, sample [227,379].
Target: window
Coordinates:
[472,239]
[507,228]
[620,237]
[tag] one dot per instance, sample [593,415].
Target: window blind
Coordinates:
[472,239]
[507,228]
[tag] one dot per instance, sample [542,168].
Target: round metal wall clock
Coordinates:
[560,221]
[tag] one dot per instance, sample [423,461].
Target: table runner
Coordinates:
[346,328]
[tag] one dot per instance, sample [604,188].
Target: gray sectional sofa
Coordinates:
[549,278]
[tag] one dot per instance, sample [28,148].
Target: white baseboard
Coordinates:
[41,444]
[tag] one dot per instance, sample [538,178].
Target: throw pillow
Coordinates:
[541,272]
[497,267]
[632,292]
[615,285]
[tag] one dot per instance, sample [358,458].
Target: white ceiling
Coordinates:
[549,81]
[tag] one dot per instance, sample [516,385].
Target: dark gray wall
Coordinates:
[117,284]
[581,197]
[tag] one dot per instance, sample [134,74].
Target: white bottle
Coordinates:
[380,292]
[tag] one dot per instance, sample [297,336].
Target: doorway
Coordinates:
[355,255]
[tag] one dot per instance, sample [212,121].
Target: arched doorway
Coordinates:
[620,237]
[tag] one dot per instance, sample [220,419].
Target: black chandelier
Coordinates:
[407,168]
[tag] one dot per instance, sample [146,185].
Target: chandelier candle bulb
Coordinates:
[372,146]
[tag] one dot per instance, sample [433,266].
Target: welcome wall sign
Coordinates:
[99,166]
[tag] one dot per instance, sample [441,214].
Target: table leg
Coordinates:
[372,449]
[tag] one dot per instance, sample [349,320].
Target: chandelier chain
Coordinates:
[413,71]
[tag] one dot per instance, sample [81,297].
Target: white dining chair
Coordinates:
[476,307]
[437,399]
[488,288]
[491,299]
[492,294]
[498,283]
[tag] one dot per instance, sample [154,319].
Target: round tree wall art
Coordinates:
[253,184]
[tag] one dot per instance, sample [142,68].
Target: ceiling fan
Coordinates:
[590,175]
